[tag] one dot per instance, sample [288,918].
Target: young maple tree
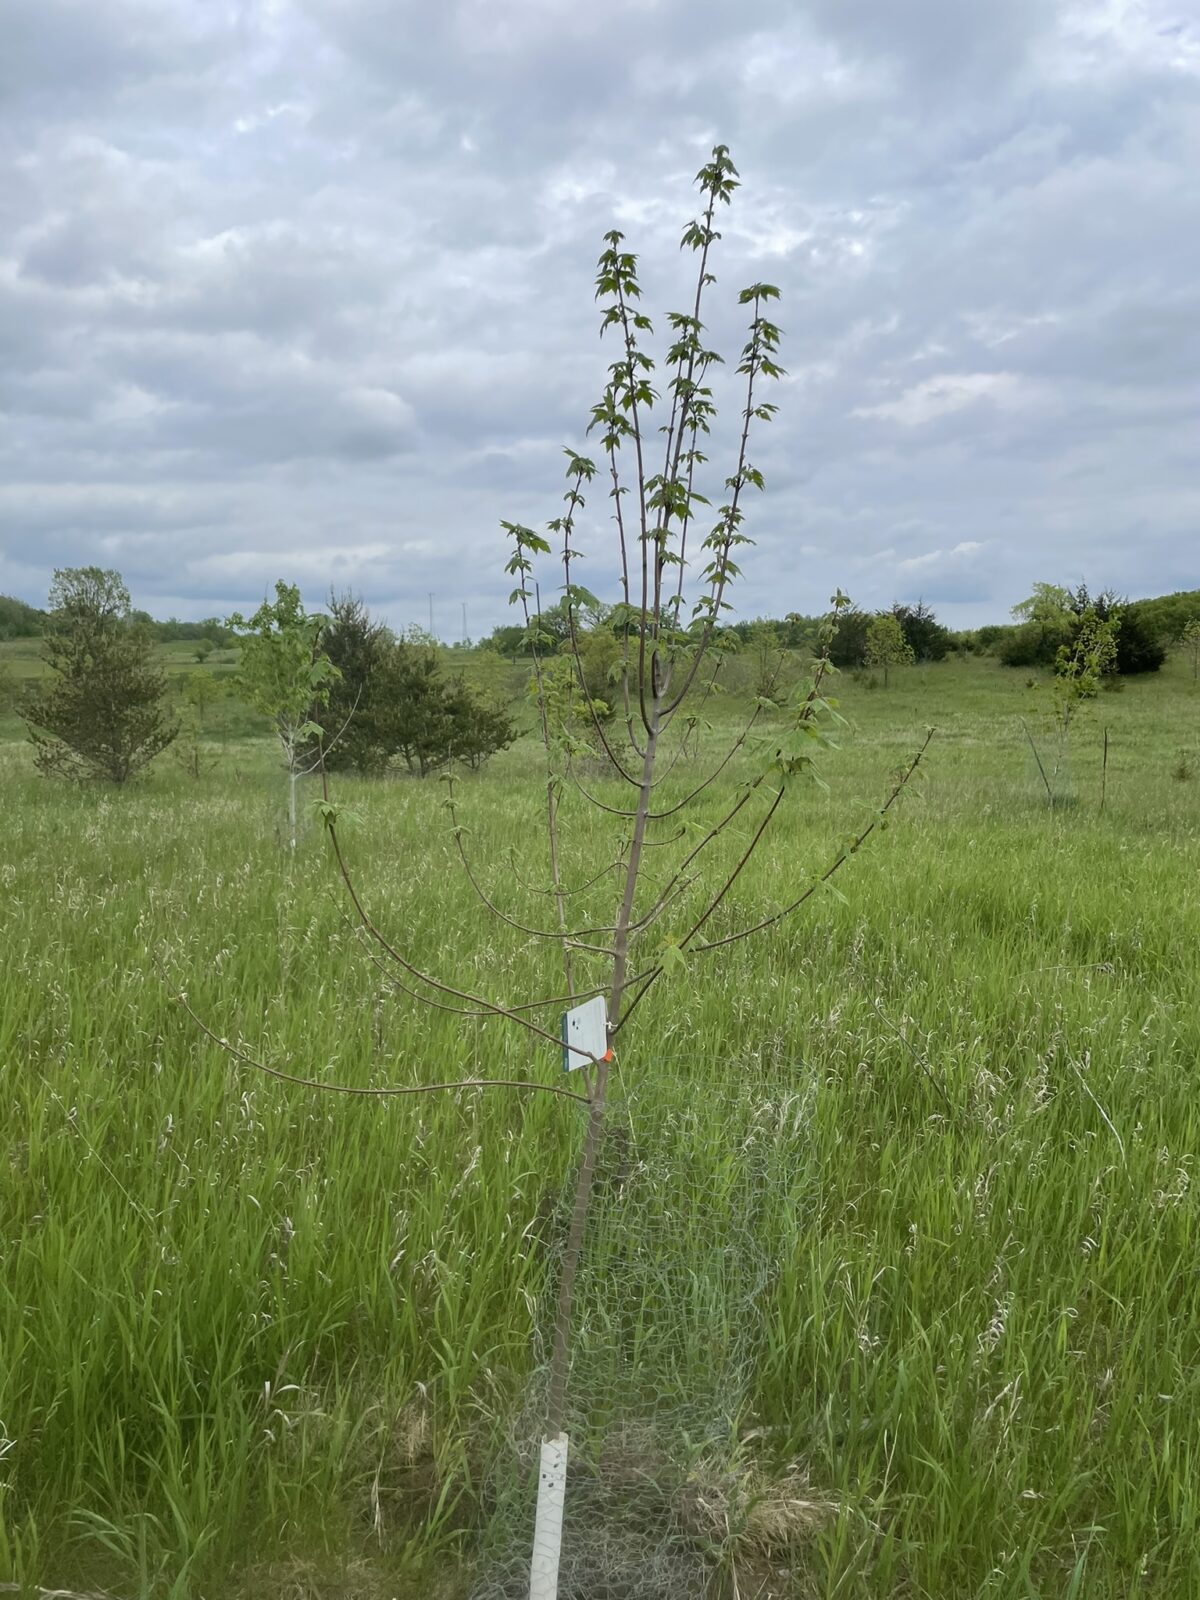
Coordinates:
[662,900]
[284,674]
[669,630]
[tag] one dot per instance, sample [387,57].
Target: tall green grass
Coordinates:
[258,1340]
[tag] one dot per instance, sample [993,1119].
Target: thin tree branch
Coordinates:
[678,756]
[324,749]
[675,441]
[636,428]
[567,529]
[619,517]
[659,844]
[473,1000]
[386,1091]
[570,936]
[732,517]
[1038,759]
[713,833]
[531,888]
[669,811]
[613,811]
[755,840]
[359,935]
[855,845]
[551,792]
[920,1060]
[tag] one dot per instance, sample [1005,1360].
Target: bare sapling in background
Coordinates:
[283,674]
[886,645]
[1080,667]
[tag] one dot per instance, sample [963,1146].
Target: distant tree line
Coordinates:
[1050,620]
[342,688]
[924,635]
[209,629]
[1148,626]
[1053,618]
[18,620]
[102,710]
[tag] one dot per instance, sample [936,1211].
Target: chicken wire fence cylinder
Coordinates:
[677,1255]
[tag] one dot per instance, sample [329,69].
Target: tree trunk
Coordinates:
[560,1355]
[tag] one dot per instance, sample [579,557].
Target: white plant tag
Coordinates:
[585,1028]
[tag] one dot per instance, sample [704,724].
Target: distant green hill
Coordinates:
[1169,614]
[17,620]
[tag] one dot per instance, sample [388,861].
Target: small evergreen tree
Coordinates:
[103,713]
[429,721]
[360,697]
[929,640]
[849,645]
[478,725]
[390,699]
[414,725]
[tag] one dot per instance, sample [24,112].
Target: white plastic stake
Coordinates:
[547,1527]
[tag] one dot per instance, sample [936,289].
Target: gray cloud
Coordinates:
[303,287]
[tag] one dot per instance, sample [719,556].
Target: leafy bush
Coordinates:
[983,641]
[1054,617]
[1034,644]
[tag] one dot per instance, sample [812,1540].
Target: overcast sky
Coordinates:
[304,288]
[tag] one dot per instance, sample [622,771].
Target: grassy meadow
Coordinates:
[256,1340]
